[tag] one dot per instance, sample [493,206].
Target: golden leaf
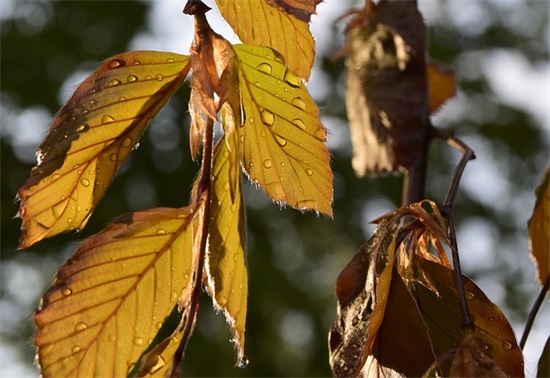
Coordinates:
[284,147]
[110,299]
[256,22]
[90,138]
[226,263]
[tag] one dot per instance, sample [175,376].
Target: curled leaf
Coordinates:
[301,9]
[539,229]
[90,138]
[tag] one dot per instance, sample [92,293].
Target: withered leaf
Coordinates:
[301,9]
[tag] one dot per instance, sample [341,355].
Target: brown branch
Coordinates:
[533,313]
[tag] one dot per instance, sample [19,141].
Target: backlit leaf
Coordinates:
[226,265]
[441,313]
[90,138]
[441,84]
[111,298]
[362,289]
[256,22]
[284,147]
[386,87]
[539,229]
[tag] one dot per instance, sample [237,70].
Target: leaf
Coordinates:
[441,313]
[386,87]
[471,361]
[90,138]
[284,147]
[301,9]
[539,229]
[362,289]
[258,23]
[110,299]
[441,83]
[226,265]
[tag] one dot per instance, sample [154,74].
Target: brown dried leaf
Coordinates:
[301,9]
[471,361]
[539,229]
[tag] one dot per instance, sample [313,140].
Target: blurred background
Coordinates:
[500,52]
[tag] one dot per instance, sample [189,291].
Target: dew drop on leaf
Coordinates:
[127,142]
[131,78]
[265,67]
[66,291]
[112,157]
[116,63]
[243,363]
[158,365]
[268,163]
[298,122]
[292,79]
[138,341]
[111,338]
[85,182]
[507,345]
[299,103]
[159,77]
[107,119]
[158,325]
[267,117]
[170,60]
[136,63]
[283,165]
[82,128]
[122,99]
[113,83]
[282,141]
[161,231]
[80,326]
[309,172]
[75,349]
[257,83]
[469,295]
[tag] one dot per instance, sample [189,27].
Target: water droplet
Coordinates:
[309,172]
[116,63]
[148,77]
[282,141]
[111,338]
[75,349]
[158,325]
[265,67]
[93,102]
[299,103]
[80,326]
[161,231]
[158,365]
[256,181]
[131,78]
[138,341]
[268,163]
[283,164]
[173,295]
[113,82]
[469,295]
[136,62]
[66,291]
[170,60]
[107,119]
[298,122]
[98,171]
[257,83]
[507,345]
[122,99]
[136,146]
[69,220]
[243,363]
[82,127]
[159,77]
[127,142]
[267,117]
[85,182]
[112,157]
[292,79]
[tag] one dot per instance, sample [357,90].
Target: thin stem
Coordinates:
[447,212]
[202,198]
[534,311]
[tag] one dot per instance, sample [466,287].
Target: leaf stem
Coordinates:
[533,313]
[202,197]
[447,212]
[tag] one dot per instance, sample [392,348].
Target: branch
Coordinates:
[533,312]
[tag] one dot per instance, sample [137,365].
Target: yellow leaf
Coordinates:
[441,84]
[302,9]
[256,22]
[284,147]
[90,138]
[110,299]
[226,265]
[539,229]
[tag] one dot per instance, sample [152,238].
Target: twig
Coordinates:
[202,194]
[447,212]
[534,311]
